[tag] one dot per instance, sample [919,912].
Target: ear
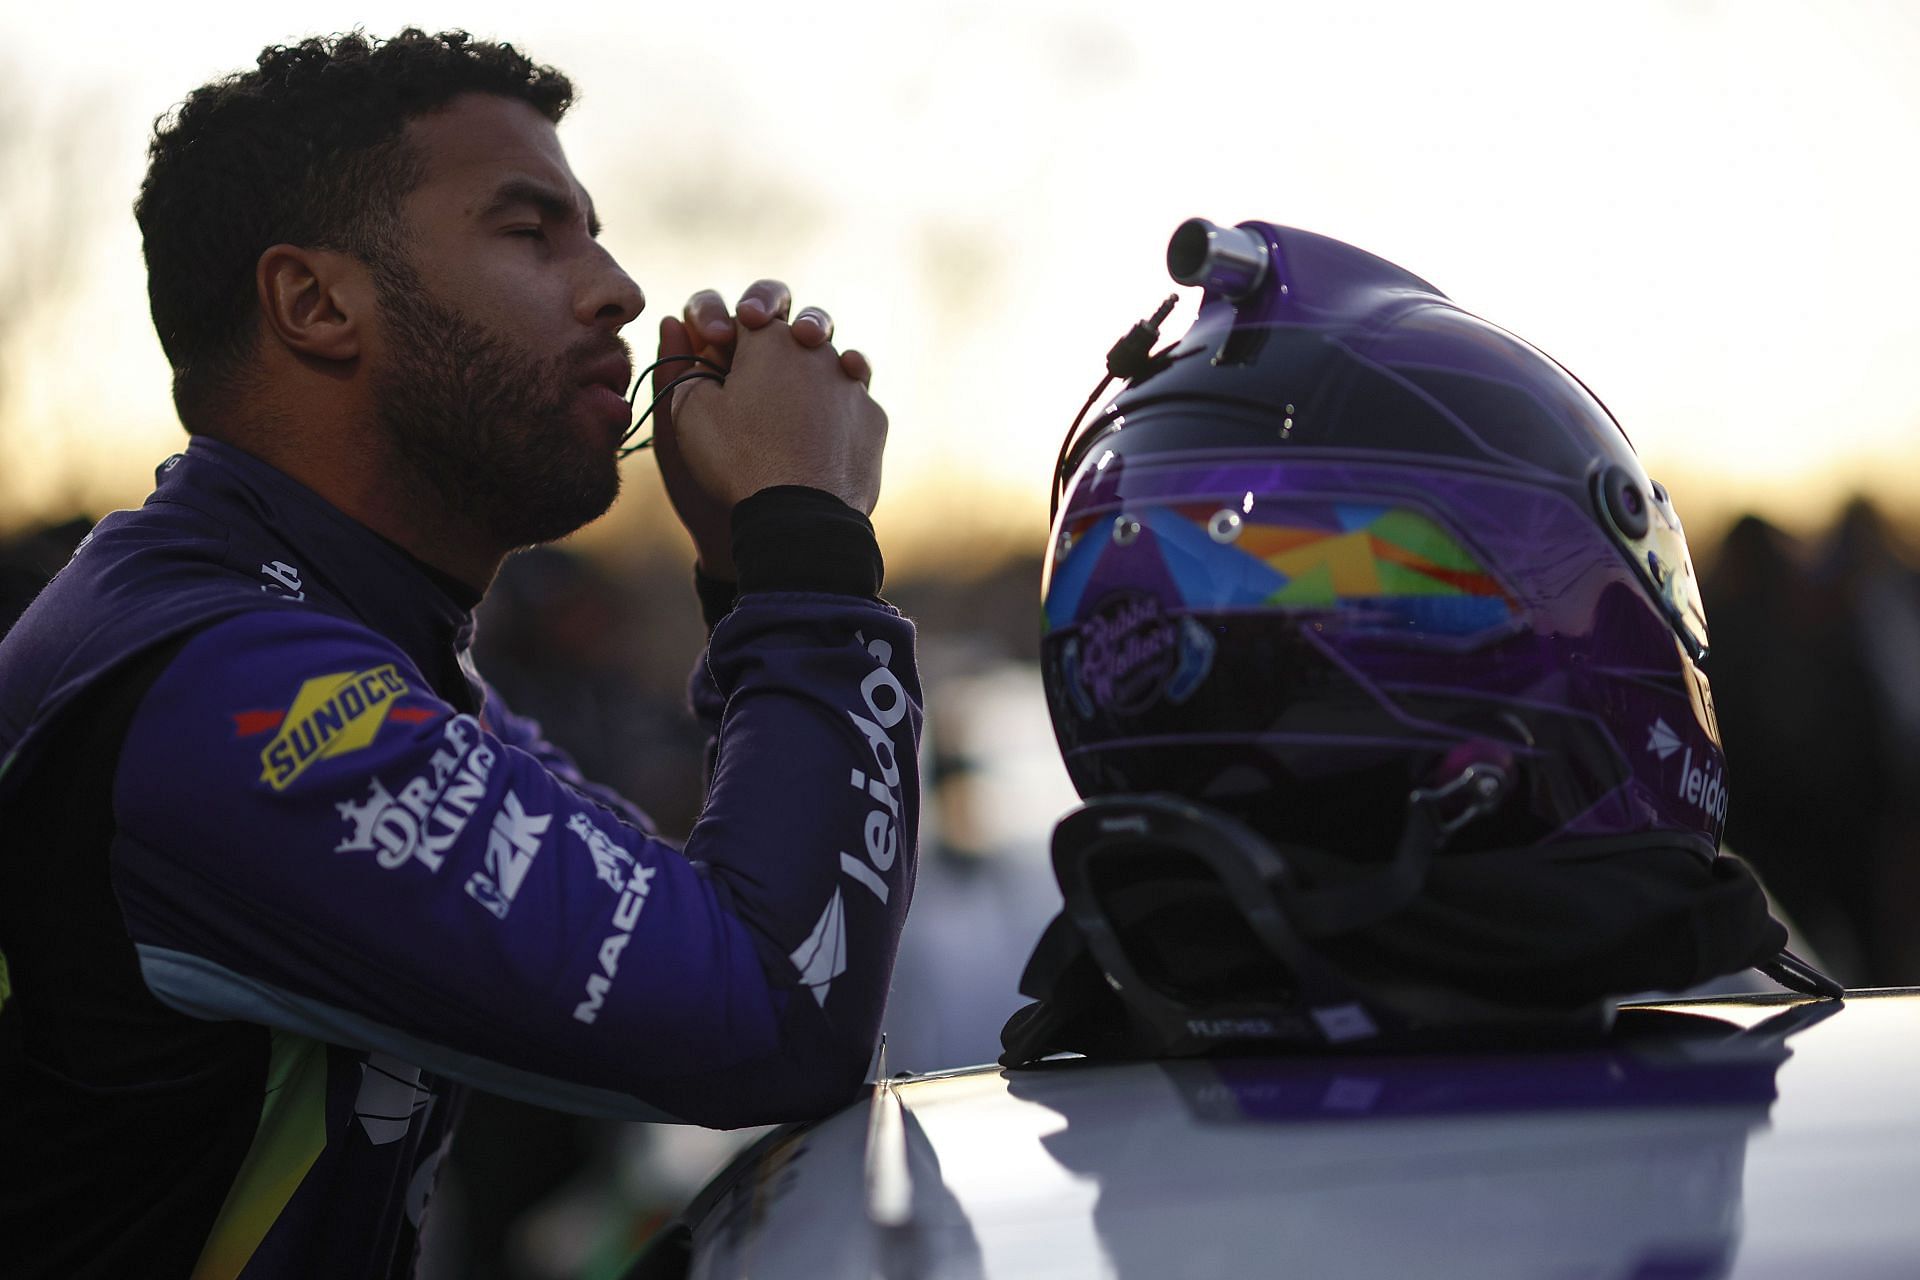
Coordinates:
[314,300]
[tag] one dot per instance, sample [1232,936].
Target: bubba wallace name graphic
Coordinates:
[1128,649]
[822,957]
[430,810]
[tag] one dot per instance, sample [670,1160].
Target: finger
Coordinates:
[812,327]
[677,402]
[855,366]
[675,341]
[764,300]
[674,338]
[706,315]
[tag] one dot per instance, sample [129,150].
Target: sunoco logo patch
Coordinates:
[331,716]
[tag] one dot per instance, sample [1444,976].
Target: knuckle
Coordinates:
[772,292]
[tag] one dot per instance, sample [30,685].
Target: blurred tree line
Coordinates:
[48,207]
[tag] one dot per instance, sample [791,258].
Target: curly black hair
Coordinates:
[307,149]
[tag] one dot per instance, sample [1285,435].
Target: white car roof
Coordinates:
[1686,1149]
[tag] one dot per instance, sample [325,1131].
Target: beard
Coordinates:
[485,431]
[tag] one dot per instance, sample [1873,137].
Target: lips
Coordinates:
[612,371]
[603,384]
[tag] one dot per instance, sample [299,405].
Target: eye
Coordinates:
[534,232]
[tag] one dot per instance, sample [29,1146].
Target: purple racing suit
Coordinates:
[332,880]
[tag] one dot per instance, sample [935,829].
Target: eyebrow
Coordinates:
[550,203]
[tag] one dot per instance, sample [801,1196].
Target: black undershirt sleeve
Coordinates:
[794,538]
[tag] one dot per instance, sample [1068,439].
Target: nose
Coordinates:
[609,296]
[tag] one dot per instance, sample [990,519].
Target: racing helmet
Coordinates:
[1375,653]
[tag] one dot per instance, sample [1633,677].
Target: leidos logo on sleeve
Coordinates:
[331,716]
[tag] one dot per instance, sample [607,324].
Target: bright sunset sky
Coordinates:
[1705,209]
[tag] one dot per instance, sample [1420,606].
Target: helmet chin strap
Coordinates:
[1136,966]
[1433,814]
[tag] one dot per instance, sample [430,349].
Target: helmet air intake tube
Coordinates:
[1231,261]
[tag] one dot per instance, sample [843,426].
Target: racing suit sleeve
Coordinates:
[786,536]
[519,731]
[309,838]
[704,698]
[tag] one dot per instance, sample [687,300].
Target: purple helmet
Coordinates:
[1347,533]
[1366,578]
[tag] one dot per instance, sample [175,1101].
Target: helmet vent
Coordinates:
[1232,261]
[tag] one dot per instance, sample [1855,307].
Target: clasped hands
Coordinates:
[792,410]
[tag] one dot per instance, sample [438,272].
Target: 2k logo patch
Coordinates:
[512,845]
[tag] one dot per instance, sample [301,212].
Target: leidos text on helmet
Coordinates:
[1706,790]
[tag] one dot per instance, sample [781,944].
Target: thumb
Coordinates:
[674,342]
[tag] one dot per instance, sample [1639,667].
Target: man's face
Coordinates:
[500,377]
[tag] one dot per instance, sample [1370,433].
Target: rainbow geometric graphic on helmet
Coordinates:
[1378,567]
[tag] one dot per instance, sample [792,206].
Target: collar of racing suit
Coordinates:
[328,553]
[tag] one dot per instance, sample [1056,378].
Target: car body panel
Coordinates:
[1743,1137]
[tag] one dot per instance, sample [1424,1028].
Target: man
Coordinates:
[279,875]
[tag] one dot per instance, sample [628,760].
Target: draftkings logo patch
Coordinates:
[332,716]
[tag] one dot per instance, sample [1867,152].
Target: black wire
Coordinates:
[669,359]
[1066,447]
[1131,358]
[642,376]
[698,375]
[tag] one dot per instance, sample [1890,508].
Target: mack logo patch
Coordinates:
[610,862]
[332,716]
[626,914]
